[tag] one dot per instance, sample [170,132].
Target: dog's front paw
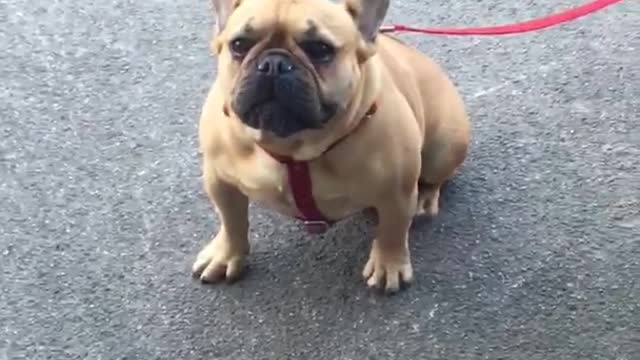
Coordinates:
[388,270]
[219,260]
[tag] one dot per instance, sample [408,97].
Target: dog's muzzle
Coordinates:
[280,96]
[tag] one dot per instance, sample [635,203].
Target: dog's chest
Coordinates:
[266,181]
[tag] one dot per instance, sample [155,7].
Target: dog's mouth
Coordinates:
[282,119]
[281,107]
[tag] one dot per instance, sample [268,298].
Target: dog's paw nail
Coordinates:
[374,282]
[198,267]
[387,274]
[213,273]
[391,290]
[217,262]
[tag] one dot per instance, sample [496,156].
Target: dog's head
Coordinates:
[293,65]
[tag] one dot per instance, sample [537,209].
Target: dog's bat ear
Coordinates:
[223,9]
[369,15]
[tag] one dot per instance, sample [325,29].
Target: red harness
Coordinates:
[301,187]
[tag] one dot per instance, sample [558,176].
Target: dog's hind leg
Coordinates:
[428,199]
[440,160]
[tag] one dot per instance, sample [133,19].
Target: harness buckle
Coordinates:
[316,226]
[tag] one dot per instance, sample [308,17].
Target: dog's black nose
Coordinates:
[275,65]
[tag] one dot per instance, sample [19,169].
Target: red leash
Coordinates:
[526,26]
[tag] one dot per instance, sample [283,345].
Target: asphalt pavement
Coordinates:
[534,256]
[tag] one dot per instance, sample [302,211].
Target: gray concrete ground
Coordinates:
[535,254]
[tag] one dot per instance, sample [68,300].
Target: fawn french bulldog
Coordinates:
[317,115]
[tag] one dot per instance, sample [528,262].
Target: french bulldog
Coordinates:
[317,114]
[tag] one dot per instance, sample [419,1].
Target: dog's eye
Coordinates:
[240,46]
[318,51]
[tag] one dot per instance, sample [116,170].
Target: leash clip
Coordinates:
[387,28]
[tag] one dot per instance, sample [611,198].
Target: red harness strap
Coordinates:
[301,187]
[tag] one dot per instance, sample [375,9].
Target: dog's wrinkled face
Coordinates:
[292,65]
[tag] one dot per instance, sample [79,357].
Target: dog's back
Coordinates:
[431,94]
